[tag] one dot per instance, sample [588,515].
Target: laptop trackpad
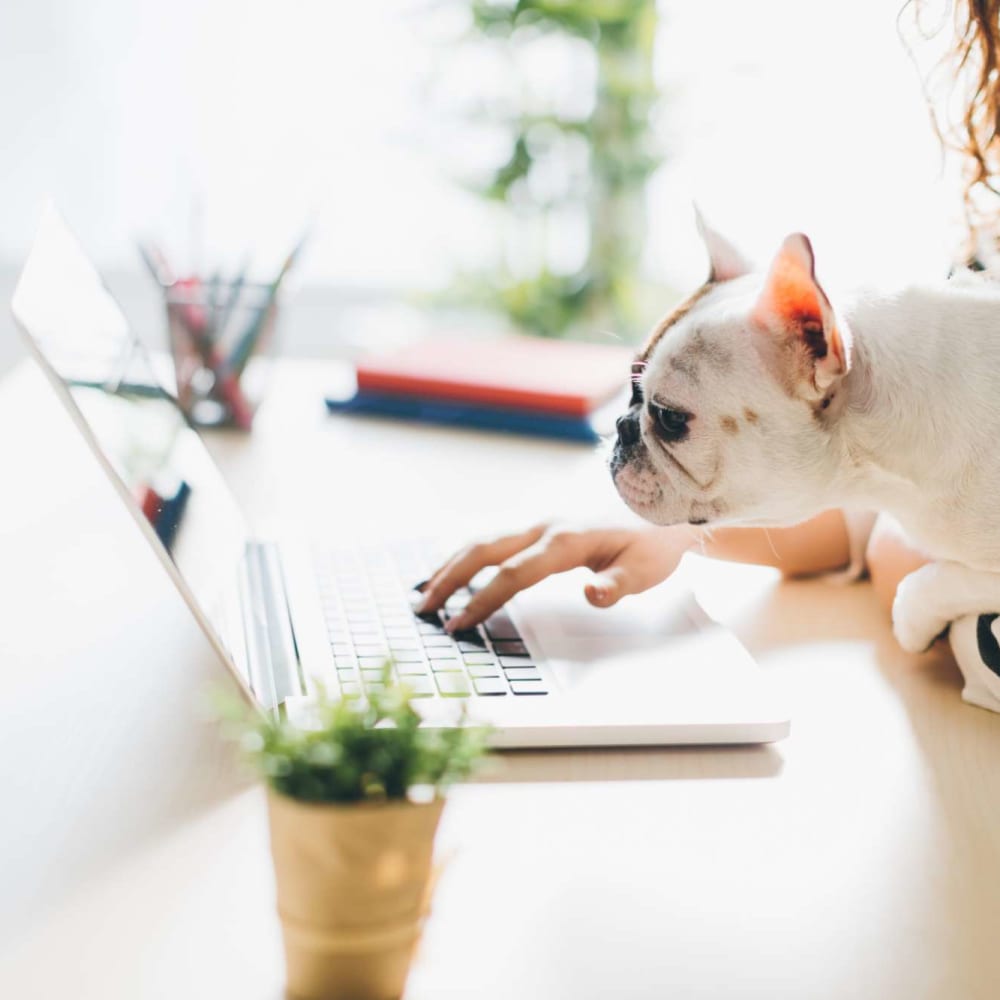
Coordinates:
[658,645]
[558,620]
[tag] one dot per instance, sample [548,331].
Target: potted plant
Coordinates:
[355,794]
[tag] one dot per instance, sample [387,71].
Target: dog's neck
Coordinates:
[907,397]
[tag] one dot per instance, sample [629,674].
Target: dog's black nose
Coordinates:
[628,429]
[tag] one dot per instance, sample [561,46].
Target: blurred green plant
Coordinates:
[356,750]
[618,153]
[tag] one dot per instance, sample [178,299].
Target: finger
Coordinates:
[528,567]
[610,586]
[631,571]
[458,571]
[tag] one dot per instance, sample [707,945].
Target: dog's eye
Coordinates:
[671,425]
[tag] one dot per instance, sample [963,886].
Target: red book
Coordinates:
[524,373]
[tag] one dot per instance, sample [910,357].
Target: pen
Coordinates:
[244,346]
[234,293]
[156,263]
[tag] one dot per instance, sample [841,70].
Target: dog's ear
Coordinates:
[792,303]
[726,262]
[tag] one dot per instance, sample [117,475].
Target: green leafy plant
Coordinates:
[357,750]
[604,154]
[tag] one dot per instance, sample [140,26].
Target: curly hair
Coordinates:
[966,115]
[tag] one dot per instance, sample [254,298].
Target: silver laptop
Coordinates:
[545,671]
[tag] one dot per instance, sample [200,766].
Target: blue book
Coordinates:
[462,414]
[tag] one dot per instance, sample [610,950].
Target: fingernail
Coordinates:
[601,593]
[456,623]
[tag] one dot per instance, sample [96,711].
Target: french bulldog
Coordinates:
[758,401]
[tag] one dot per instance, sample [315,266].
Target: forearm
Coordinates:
[890,558]
[819,545]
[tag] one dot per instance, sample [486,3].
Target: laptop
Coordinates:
[286,616]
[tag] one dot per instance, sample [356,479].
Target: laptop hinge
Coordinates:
[273,655]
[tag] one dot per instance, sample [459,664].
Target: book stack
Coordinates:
[524,385]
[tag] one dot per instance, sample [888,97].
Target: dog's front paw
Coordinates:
[916,621]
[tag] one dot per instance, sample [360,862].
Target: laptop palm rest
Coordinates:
[653,658]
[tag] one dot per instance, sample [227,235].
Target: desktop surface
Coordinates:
[859,857]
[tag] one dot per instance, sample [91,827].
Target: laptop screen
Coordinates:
[162,467]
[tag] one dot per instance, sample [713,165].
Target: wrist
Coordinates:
[681,537]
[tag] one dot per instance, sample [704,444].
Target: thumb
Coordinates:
[609,586]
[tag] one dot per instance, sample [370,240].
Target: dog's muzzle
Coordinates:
[627,426]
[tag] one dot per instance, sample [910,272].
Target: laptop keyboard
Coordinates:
[367,598]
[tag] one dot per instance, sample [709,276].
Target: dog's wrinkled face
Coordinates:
[732,397]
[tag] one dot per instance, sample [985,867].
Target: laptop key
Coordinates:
[476,658]
[438,641]
[528,687]
[350,690]
[442,653]
[482,670]
[421,687]
[377,649]
[445,666]
[500,626]
[489,686]
[412,669]
[510,647]
[515,661]
[407,656]
[453,685]
[362,620]
[522,674]
[372,661]
[358,609]
[400,622]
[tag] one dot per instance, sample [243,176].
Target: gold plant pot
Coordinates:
[353,893]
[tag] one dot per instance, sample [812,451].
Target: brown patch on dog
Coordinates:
[678,314]
[715,354]
[729,425]
[685,366]
[749,416]
[696,352]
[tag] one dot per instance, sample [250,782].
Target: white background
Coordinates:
[778,115]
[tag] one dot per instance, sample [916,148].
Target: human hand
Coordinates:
[625,561]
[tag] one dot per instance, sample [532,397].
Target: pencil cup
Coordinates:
[219,335]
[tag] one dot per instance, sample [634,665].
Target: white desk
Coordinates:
[860,858]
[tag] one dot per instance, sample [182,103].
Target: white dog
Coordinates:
[760,402]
